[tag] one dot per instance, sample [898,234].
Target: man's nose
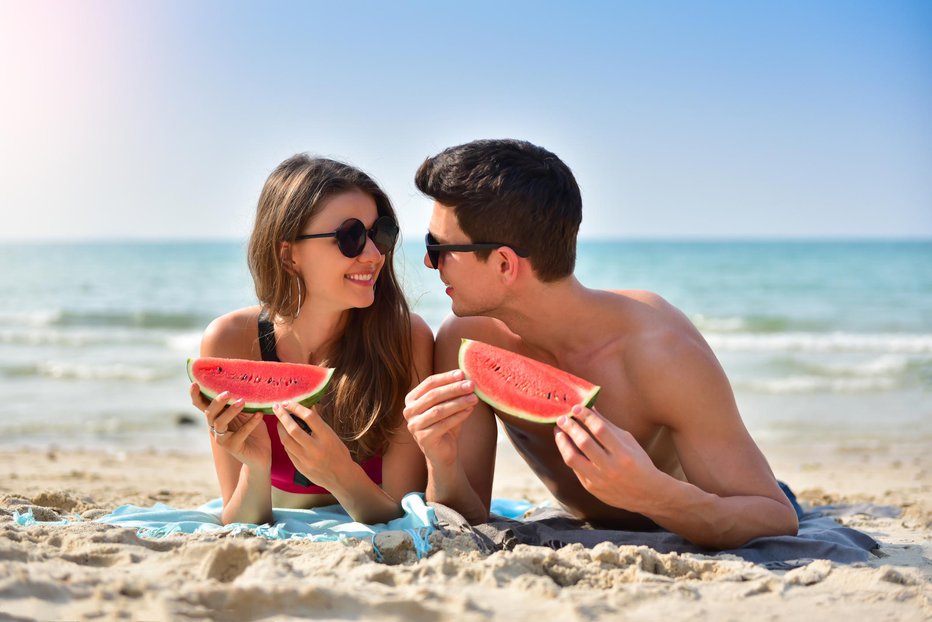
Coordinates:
[430,265]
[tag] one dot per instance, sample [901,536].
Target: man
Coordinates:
[666,445]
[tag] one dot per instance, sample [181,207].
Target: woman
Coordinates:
[320,255]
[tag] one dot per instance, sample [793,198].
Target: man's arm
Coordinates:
[731,495]
[455,431]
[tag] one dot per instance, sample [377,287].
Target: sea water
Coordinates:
[825,340]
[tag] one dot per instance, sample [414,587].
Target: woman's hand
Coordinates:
[320,455]
[242,435]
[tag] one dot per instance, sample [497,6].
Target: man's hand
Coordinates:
[436,410]
[608,461]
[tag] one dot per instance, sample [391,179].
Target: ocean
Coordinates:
[827,340]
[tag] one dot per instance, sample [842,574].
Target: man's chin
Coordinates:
[460,311]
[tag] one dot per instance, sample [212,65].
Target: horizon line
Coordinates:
[416,239]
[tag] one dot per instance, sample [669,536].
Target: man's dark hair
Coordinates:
[513,192]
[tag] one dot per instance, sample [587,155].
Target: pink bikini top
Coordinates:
[286,477]
[284,474]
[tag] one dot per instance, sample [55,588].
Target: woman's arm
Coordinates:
[243,463]
[324,458]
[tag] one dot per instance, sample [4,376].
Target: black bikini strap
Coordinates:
[267,337]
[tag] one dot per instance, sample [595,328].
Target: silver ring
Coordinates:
[216,434]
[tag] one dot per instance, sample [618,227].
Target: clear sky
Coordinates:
[680,119]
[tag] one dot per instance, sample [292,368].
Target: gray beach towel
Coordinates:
[820,536]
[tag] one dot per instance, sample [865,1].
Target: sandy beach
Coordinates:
[91,571]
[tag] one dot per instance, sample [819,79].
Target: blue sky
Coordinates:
[679,119]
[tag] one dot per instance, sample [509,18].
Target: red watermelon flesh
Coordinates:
[522,387]
[260,383]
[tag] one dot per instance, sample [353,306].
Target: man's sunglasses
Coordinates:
[351,235]
[434,249]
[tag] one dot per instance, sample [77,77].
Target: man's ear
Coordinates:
[508,264]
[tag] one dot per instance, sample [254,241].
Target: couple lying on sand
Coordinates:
[666,447]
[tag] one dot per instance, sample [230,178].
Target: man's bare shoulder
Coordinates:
[232,335]
[480,328]
[646,313]
[667,359]
[648,299]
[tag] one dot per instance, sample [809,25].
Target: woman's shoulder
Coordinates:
[233,335]
[420,330]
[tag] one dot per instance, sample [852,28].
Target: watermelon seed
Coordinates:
[219,370]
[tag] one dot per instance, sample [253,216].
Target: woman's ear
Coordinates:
[284,253]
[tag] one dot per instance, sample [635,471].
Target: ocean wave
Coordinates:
[95,425]
[120,319]
[819,384]
[82,371]
[892,343]
[77,338]
[885,365]
[134,319]
[31,318]
[749,323]
[719,324]
[189,343]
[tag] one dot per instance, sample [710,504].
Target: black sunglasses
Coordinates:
[434,249]
[351,235]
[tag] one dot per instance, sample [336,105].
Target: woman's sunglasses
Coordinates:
[434,249]
[351,235]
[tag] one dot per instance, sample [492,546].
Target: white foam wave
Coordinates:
[87,424]
[31,318]
[886,365]
[817,384]
[189,343]
[74,339]
[897,343]
[45,338]
[718,324]
[77,371]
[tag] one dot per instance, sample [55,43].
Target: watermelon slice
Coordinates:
[522,387]
[260,383]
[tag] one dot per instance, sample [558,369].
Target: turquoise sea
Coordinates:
[829,340]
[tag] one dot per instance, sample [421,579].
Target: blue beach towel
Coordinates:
[323,524]
[328,523]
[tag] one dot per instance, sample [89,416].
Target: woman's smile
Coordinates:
[362,278]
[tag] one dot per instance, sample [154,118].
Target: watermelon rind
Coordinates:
[307,399]
[587,398]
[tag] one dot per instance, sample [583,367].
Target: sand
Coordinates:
[90,571]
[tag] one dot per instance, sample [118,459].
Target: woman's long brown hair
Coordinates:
[372,357]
